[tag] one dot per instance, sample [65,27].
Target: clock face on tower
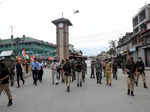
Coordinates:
[60,25]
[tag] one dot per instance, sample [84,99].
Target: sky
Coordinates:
[97,23]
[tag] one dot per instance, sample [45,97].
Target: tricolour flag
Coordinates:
[76,11]
[24,52]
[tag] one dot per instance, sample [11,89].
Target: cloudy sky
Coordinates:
[98,22]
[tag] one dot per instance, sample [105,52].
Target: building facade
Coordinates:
[138,42]
[32,46]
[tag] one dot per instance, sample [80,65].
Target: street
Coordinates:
[90,98]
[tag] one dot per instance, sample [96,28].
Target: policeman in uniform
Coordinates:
[79,72]
[108,71]
[67,70]
[98,67]
[4,82]
[130,69]
[92,69]
[84,70]
[140,71]
[114,69]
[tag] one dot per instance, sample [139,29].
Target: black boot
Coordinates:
[80,84]
[128,91]
[68,89]
[110,84]
[10,103]
[145,86]
[100,82]
[132,93]
[136,83]
[23,82]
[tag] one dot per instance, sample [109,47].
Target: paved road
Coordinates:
[90,98]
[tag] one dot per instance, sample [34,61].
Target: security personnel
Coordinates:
[130,69]
[35,68]
[98,67]
[92,69]
[114,69]
[62,71]
[67,70]
[108,71]
[140,68]
[19,71]
[4,82]
[84,70]
[79,72]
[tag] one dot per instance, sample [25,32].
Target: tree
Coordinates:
[112,50]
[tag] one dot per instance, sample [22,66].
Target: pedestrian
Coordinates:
[4,82]
[62,71]
[123,66]
[35,67]
[67,71]
[108,71]
[92,69]
[140,68]
[99,68]
[114,69]
[58,70]
[84,70]
[79,72]
[40,73]
[19,72]
[26,64]
[104,64]
[73,69]
[130,69]
[54,73]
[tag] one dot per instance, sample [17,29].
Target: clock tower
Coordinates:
[62,38]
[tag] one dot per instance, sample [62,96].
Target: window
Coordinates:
[142,15]
[135,21]
[136,30]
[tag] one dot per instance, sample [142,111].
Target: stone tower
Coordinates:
[62,38]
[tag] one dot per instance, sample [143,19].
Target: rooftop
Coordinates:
[62,20]
[24,40]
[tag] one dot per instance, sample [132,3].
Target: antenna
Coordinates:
[62,14]
[11,31]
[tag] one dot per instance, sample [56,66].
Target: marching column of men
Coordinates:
[76,69]
[71,69]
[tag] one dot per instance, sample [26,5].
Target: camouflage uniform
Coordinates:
[79,73]
[131,68]
[98,67]
[92,70]
[4,82]
[84,70]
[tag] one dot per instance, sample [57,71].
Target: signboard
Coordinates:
[132,49]
[6,53]
[148,26]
